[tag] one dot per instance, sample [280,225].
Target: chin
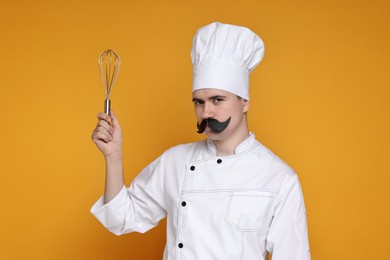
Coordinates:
[213,136]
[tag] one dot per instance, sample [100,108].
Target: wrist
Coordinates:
[114,157]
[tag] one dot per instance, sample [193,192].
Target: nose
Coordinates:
[207,112]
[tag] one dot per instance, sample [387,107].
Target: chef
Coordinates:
[226,197]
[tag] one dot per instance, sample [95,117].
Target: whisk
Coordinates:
[109,64]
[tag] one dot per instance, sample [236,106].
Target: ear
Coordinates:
[245,105]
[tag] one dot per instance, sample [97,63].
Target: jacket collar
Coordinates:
[246,145]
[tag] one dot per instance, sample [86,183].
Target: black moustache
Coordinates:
[213,124]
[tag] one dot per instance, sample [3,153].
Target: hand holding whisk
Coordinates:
[109,64]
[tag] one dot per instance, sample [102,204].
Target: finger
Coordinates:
[104,116]
[103,130]
[101,136]
[105,125]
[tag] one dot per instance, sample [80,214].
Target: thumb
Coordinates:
[115,121]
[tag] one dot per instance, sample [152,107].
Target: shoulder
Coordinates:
[285,177]
[275,164]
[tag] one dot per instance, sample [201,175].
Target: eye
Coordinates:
[217,100]
[197,102]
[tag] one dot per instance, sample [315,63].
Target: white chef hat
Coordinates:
[223,55]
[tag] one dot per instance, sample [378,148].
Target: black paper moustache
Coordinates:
[213,124]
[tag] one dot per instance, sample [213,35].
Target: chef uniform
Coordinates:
[239,206]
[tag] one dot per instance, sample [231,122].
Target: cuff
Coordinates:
[107,213]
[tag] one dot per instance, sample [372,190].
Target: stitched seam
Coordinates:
[231,190]
[179,209]
[234,155]
[231,195]
[242,246]
[162,173]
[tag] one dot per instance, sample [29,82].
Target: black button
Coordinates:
[219,161]
[183,203]
[180,245]
[192,168]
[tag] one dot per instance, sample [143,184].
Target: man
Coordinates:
[227,197]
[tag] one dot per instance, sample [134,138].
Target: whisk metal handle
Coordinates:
[107,106]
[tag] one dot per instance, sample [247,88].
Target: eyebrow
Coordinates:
[216,97]
[197,100]
[210,98]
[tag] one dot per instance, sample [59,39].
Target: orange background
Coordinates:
[320,100]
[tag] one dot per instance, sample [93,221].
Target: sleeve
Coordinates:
[137,208]
[287,238]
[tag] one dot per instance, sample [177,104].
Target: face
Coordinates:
[220,105]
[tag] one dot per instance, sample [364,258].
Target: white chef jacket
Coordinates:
[218,208]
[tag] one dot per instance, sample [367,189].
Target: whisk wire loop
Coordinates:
[109,65]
